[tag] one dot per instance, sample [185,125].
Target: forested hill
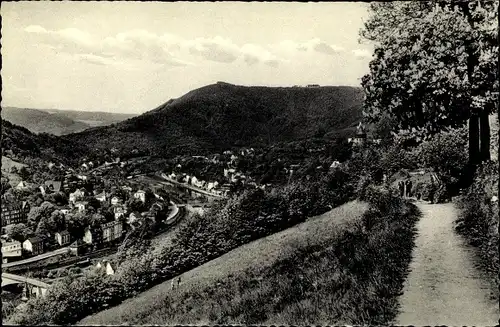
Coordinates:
[222,115]
[19,143]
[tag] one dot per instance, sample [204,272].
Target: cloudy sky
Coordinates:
[131,57]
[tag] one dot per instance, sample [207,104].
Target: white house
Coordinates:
[11,249]
[81,177]
[141,195]
[76,195]
[21,186]
[81,205]
[335,164]
[101,197]
[115,200]
[106,265]
[119,212]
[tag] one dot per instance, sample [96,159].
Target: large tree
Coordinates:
[434,67]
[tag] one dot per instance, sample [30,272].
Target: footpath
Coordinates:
[444,286]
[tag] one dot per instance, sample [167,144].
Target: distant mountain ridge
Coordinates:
[59,122]
[223,115]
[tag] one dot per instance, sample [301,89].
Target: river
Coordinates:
[444,286]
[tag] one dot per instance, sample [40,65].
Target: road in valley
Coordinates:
[444,286]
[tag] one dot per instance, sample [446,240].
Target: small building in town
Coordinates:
[11,251]
[119,211]
[105,265]
[115,200]
[360,137]
[52,186]
[93,235]
[141,195]
[21,186]
[81,205]
[101,197]
[13,214]
[65,210]
[63,238]
[77,247]
[112,231]
[77,195]
[34,245]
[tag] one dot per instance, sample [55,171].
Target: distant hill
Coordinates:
[59,122]
[39,121]
[222,115]
[20,144]
[91,118]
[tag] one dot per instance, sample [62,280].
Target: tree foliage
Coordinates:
[434,64]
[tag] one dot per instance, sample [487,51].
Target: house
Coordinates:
[82,177]
[63,238]
[115,200]
[93,235]
[52,186]
[34,245]
[77,247]
[133,217]
[81,205]
[25,206]
[335,164]
[21,186]
[141,195]
[101,197]
[11,250]
[77,195]
[119,211]
[360,137]
[64,210]
[13,214]
[112,231]
[127,188]
[106,265]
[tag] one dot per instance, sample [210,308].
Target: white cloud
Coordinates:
[35,29]
[362,53]
[173,50]
[313,45]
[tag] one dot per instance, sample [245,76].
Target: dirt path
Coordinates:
[444,286]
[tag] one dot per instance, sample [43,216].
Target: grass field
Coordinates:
[7,164]
[294,276]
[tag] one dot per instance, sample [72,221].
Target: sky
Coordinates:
[130,57]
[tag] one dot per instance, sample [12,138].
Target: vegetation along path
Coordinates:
[444,286]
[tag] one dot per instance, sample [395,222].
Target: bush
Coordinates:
[478,220]
[447,154]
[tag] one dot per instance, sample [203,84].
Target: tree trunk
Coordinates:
[485,135]
[474,154]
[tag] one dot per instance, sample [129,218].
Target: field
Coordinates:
[294,276]
[7,164]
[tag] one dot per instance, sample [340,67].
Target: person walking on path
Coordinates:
[408,185]
[401,187]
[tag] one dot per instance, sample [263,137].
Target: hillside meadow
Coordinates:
[343,267]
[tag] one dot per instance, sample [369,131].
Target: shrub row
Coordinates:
[252,215]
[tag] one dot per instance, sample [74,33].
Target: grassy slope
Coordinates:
[212,117]
[149,307]
[7,164]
